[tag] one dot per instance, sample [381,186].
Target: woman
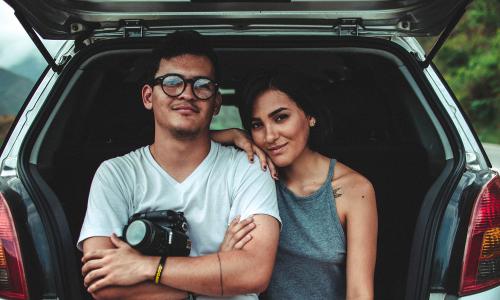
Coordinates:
[327,244]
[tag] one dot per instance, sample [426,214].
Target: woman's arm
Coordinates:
[240,139]
[359,205]
[237,234]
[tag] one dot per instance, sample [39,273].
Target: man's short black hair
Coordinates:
[183,42]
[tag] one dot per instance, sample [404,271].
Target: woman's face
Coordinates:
[279,127]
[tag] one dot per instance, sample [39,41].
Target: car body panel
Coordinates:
[65,19]
[399,19]
[10,155]
[10,152]
[491,294]
[474,154]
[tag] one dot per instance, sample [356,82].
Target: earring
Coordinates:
[312,123]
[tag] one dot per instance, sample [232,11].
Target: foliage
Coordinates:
[5,123]
[470,60]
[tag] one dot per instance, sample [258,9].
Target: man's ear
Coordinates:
[218,103]
[147,96]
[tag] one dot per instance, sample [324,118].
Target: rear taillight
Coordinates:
[481,267]
[12,279]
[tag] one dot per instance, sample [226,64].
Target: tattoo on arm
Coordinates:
[337,192]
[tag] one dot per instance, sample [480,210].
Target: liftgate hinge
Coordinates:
[133,28]
[349,26]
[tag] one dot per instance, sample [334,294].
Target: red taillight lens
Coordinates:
[481,267]
[12,279]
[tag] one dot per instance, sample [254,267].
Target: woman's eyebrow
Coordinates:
[271,114]
[277,111]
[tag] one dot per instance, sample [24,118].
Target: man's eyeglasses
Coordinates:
[174,84]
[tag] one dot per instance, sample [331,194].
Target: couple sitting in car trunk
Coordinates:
[327,211]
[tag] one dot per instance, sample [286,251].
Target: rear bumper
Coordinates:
[491,294]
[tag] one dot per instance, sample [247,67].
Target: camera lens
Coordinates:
[136,232]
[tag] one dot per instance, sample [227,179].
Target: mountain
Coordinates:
[31,67]
[13,91]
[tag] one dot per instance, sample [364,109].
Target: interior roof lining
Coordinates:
[344,50]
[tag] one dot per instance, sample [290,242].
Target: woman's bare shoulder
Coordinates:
[352,186]
[345,175]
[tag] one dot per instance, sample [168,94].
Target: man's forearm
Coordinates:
[238,273]
[140,291]
[228,273]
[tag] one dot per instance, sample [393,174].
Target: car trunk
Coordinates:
[385,127]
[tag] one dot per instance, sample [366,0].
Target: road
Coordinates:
[493,152]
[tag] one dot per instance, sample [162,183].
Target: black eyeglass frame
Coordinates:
[159,80]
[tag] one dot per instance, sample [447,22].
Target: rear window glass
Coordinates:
[21,64]
[228,117]
[469,62]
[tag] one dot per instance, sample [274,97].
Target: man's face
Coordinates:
[184,116]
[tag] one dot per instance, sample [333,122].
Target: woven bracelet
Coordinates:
[159,270]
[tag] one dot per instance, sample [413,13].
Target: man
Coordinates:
[182,171]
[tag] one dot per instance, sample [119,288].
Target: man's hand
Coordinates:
[122,266]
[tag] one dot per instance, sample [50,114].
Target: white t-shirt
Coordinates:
[223,186]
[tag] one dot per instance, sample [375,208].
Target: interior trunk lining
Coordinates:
[375,133]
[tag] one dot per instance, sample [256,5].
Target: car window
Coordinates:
[469,62]
[21,64]
[228,117]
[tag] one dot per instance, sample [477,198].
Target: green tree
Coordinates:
[470,60]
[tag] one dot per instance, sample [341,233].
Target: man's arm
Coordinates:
[241,139]
[139,291]
[240,271]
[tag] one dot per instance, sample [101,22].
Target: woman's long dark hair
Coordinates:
[307,94]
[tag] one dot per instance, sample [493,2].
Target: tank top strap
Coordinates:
[331,170]
[332,202]
[325,187]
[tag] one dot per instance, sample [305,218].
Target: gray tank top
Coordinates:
[312,249]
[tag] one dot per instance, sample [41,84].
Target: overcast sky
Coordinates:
[15,44]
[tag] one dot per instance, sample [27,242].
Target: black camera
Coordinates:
[158,233]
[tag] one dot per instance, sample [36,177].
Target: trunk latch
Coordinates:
[133,28]
[349,26]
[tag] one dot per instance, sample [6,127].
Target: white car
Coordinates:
[395,120]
